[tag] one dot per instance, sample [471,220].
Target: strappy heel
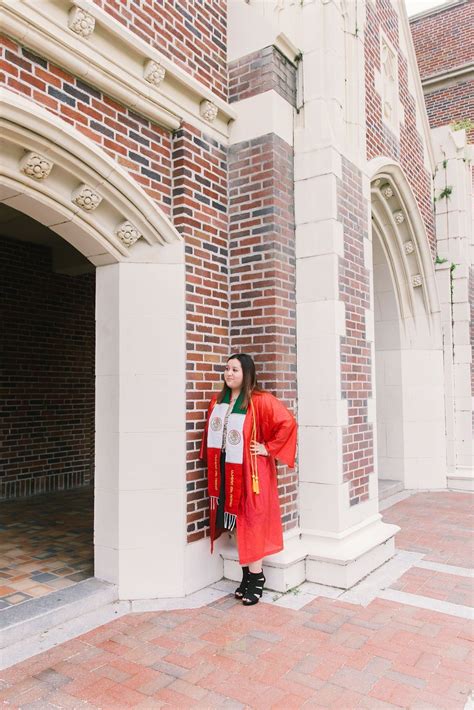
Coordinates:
[254,590]
[242,588]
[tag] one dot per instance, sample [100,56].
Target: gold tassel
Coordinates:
[253,457]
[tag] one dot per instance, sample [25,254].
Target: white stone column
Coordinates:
[342,543]
[455,239]
[140,485]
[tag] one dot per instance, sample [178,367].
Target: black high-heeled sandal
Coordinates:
[254,589]
[242,588]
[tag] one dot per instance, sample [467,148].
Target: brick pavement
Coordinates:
[328,654]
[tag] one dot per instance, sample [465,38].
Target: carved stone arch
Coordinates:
[398,223]
[62,179]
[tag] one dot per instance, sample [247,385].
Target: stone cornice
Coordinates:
[116,61]
[448,77]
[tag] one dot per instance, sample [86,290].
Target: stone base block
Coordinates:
[283,571]
[342,562]
[461,480]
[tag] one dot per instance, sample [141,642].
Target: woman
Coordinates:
[246,429]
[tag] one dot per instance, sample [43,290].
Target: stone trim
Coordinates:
[78,170]
[113,60]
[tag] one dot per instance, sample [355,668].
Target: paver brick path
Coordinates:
[328,654]
[439,524]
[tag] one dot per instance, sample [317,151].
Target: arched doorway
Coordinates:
[411,447]
[85,199]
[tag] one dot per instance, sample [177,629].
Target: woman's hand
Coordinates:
[258,449]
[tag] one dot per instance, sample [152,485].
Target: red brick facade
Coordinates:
[47,352]
[356,360]
[141,147]
[191,34]
[262,71]
[262,274]
[408,149]
[444,41]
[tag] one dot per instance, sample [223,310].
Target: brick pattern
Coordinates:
[193,34]
[200,214]
[47,376]
[451,104]
[262,264]
[356,360]
[408,150]
[444,39]
[262,71]
[141,147]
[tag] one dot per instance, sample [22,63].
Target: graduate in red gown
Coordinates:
[246,430]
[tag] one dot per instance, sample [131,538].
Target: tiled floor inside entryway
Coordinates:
[46,544]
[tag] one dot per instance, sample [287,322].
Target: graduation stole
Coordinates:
[234,456]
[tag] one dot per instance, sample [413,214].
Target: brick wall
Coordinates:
[262,71]
[408,148]
[192,34]
[444,39]
[200,214]
[47,356]
[141,147]
[262,263]
[356,361]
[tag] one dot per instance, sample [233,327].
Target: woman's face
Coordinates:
[233,374]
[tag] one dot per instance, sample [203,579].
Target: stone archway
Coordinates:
[408,344]
[67,183]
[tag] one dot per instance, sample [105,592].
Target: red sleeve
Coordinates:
[279,429]
[203,451]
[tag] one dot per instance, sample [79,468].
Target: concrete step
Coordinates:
[38,617]
[388,487]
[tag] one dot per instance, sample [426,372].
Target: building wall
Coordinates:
[142,148]
[443,40]
[408,147]
[47,354]
[262,245]
[193,35]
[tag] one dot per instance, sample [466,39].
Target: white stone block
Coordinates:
[262,114]
[319,373]
[317,278]
[462,353]
[150,403]
[322,161]
[317,238]
[320,454]
[316,199]
[107,390]
[152,461]
[320,319]
[330,412]
[106,517]
[152,345]
[146,516]
[141,571]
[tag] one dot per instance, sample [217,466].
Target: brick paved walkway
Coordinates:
[327,654]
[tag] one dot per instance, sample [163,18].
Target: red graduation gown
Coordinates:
[259,530]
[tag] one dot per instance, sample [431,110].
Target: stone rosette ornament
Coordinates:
[208,111]
[417,280]
[81,22]
[399,217]
[387,191]
[127,233]
[86,198]
[154,72]
[409,247]
[36,166]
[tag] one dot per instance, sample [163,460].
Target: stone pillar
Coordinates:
[140,427]
[341,530]
[454,229]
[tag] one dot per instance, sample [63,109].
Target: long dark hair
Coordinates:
[249,381]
